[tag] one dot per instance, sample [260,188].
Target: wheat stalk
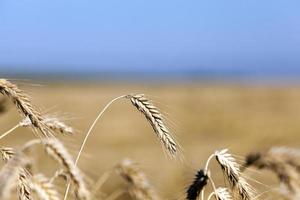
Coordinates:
[138,185]
[156,120]
[197,186]
[23,103]
[44,189]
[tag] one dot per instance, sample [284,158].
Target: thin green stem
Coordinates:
[88,134]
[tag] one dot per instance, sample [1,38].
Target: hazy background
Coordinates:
[224,73]
[186,39]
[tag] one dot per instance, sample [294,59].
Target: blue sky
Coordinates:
[62,35]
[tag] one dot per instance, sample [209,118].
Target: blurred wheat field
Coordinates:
[203,116]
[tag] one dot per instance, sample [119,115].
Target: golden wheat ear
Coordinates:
[156,120]
[232,172]
[23,103]
[56,150]
[282,161]
[23,188]
[138,185]
[10,177]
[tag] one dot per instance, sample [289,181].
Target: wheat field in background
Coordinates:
[204,117]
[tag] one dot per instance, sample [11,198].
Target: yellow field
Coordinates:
[204,117]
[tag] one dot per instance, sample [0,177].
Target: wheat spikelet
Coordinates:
[52,123]
[244,189]
[222,194]
[197,186]
[9,175]
[7,153]
[231,170]
[138,185]
[156,121]
[57,150]
[23,103]
[44,189]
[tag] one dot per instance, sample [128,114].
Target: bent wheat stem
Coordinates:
[205,171]
[88,134]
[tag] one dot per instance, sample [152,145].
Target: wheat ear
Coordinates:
[56,149]
[138,185]
[151,114]
[156,120]
[231,170]
[281,161]
[24,105]
[23,188]
[197,186]
[9,175]
[44,189]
